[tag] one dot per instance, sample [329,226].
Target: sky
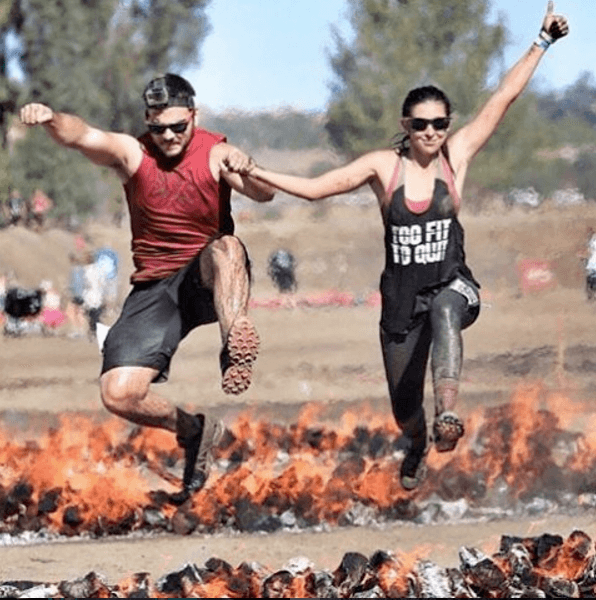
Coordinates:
[270,54]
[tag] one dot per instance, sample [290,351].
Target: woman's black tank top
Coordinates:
[423,253]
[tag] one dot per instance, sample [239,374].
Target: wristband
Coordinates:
[544,40]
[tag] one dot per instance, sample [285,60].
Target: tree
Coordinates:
[10,22]
[401,44]
[578,101]
[93,58]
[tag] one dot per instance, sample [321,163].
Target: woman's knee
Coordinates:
[448,310]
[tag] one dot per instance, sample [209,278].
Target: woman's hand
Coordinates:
[555,26]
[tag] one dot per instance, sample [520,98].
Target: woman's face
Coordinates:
[427,126]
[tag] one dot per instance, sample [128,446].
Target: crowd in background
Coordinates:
[31,212]
[91,294]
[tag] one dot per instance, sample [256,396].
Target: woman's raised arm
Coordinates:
[467,141]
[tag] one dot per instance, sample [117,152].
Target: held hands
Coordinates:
[36,114]
[554,26]
[238,162]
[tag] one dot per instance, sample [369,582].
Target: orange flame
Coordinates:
[304,466]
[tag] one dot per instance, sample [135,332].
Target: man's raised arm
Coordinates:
[117,150]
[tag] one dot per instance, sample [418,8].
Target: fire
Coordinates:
[85,475]
[394,573]
[570,560]
[546,566]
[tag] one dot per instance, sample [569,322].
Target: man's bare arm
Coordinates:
[233,165]
[119,151]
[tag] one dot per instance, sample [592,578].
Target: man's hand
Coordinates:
[36,114]
[556,26]
[237,162]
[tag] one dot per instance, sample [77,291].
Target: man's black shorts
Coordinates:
[155,317]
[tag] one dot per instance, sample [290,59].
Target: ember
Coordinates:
[101,479]
[539,567]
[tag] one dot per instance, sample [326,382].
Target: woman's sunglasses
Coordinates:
[173,127]
[438,124]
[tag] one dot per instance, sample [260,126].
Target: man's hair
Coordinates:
[168,90]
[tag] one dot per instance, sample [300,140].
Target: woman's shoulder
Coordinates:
[382,159]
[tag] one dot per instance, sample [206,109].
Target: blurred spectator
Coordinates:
[39,205]
[22,308]
[3,286]
[75,313]
[281,268]
[16,207]
[52,317]
[101,285]
[591,266]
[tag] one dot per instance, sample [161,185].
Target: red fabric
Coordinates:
[175,210]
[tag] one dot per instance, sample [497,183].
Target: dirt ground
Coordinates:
[329,355]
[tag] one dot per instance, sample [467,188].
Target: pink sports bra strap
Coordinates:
[450,180]
[393,182]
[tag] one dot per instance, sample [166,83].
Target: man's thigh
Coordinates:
[147,332]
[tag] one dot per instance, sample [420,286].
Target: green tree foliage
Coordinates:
[399,45]
[287,129]
[577,102]
[402,44]
[66,177]
[93,58]
[10,21]
[585,174]
[511,157]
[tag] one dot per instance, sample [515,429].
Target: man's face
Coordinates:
[172,141]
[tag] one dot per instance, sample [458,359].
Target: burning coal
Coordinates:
[102,478]
[547,566]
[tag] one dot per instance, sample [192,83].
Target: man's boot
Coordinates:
[197,435]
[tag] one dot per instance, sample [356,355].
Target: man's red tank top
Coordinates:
[176,207]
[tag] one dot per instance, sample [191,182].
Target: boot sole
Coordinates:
[448,429]
[242,348]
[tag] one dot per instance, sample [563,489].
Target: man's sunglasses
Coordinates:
[438,124]
[173,127]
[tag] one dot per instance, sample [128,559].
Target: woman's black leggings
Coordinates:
[406,356]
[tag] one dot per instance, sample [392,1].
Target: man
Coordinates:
[189,267]
[591,265]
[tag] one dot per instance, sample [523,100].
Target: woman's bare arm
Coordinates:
[467,142]
[337,181]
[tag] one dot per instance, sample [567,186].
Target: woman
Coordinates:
[428,293]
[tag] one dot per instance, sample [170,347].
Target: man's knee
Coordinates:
[226,254]
[228,249]
[121,389]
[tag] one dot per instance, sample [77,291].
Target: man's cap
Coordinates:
[168,90]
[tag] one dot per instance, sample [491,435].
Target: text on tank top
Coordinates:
[424,250]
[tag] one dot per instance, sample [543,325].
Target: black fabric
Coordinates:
[423,253]
[405,355]
[21,302]
[156,316]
